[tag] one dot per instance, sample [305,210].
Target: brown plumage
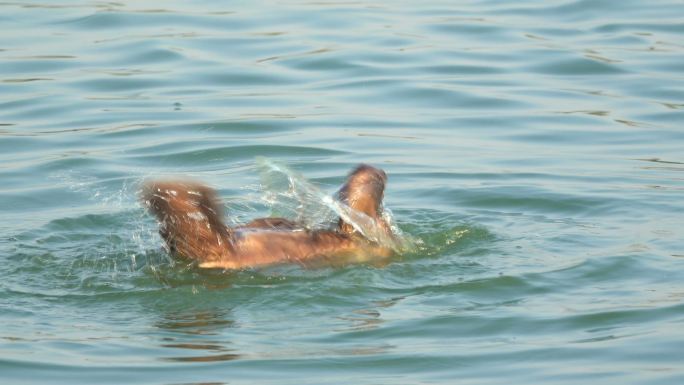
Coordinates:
[363,192]
[191,224]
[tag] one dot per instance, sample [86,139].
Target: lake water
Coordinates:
[535,151]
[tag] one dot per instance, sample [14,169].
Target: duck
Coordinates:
[193,227]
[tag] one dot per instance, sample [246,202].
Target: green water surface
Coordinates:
[535,151]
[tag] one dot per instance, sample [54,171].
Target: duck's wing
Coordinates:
[191,219]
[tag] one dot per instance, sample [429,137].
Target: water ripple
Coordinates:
[533,152]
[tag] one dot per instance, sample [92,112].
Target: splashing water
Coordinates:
[291,195]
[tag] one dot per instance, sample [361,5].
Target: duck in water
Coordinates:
[192,226]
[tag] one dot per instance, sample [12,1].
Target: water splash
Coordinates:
[291,195]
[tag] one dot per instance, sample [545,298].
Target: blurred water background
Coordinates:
[534,151]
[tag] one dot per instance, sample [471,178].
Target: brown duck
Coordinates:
[191,224]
